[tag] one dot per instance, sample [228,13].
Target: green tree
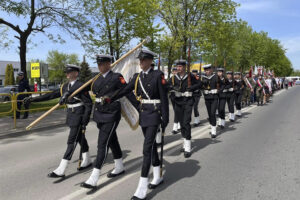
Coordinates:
[117,22]
[9,75]
[85,71]
[57,61]
[42,15]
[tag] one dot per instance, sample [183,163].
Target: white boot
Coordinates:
[119,167]
[141,191]
[213,131]
[93,179]
[60,170]
[86,160]
[197,120]
[223,122]
[175,127]
[239,113]
[219,122]
[217,112]
[187,145]
[157,179]
[231,116]
[158,138]
[178,126]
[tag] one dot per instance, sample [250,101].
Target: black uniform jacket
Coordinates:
[75,116]
[23,87]
[197,92]
[229,85]
[210,83]
[223,82]
[239,86]
[155,86]
[109,86]
[180,84]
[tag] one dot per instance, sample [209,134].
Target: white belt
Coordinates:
[74,105]
[101,100]
[183,94]
[214,91]
[228,90]
[150,101]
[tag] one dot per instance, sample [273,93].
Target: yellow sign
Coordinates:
[35,70]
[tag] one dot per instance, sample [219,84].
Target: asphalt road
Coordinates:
[257,157]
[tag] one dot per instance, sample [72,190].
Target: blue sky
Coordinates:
[280,18]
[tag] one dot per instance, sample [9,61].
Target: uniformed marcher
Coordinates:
[230,95]
[176,124]
[22,87]
[149,87]
[249,89]
[184,101]
[222,96]
[238,92]
[197,95]
[107,116]
[210,84]
[260,90]
[78,115]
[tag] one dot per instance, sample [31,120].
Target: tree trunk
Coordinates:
[23,48]
[117,39]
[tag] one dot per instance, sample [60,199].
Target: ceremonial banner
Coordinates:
[128,67]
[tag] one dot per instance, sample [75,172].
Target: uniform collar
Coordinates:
[72,82]
[181,78]
[147,72]
[105,74]
[209,76]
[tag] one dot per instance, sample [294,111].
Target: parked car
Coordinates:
[297,82]
[7,90]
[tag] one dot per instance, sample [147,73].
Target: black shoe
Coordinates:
[222,127]
[231,120]
[25,117]
[187,154]
[82,168]
[136,198]
[111,175]
[85,185]
[239,116]
[212,136]
[174,132]
[158,144]
[195,125]
[53,175]
[152,186]
[182,150]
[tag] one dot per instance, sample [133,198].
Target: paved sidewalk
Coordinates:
[58,117]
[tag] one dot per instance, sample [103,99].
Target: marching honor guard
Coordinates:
[107,116]
[260,90]
[222,96]
[238,92]
[210,84]
[249,89]
[196,95]
[230,95]
[176,124]
[79,110]
[184,84]
[150,90]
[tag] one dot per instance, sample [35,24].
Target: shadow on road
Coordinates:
[187,168]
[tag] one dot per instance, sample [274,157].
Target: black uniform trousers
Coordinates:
[230,102]
[75,135]
[196,103]
[107,138]
[149,150]
[173,105]
[184,114]
[19,105]
[238,100]
[221,108]
[211,106]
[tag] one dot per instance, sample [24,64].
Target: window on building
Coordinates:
[16,69]
[0,81]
